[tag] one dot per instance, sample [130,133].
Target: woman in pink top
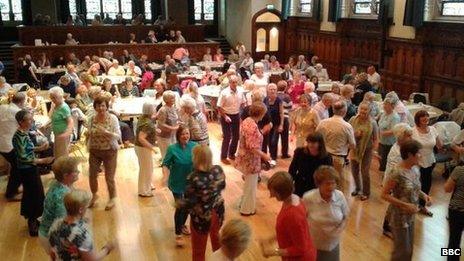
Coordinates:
[296,87]
[292,229]
[218,57]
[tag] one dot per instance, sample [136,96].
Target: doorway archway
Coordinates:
[267,33]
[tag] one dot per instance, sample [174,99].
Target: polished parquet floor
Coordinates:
[143,227]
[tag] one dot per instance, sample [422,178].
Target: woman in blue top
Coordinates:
[177,164]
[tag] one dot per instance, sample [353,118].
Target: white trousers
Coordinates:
[163,144]
[248,203]
[61,147]
[145,158]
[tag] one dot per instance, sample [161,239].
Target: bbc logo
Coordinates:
[450,252]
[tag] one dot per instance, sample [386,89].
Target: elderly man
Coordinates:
[70,40]
[229,103]
[71,73]
[301,63]
[322,107]
[8,127]
[116,69]
[126,57]
[180,38]
[133,70]
[68,85]
[321,73]
[151,38]
[338,136]
[373,77]
[180,53]
[347,78]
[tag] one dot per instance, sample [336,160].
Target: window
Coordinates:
[93,8]
[306,6]
[126,8]
[72,7]
[11,10]
[111,7]
[452,8]
[366,6]
[204,10]
[147,9]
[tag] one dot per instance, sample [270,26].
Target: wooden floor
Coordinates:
[143,227]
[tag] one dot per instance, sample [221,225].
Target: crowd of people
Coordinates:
[343,126]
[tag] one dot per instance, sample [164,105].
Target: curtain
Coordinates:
[385,11]
[63,11]
[156,9]
[334,10]
[81,7]
[414,13]
[317,7]
[138,7]
[286,9]
[191,12]
[27,11]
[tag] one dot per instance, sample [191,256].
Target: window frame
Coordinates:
[370,2]
[202,13]
[12,15]
[442,7]
[306,3]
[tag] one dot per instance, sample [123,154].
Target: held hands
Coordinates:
[411,208]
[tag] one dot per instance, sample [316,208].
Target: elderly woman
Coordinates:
[303,121]
[116,69]
[207,57]
[160,86]
[66,174]
[177,165]
[249,156]
[400,108]
[71,236]
[375,110]
[167,122]
[218,57]
[292,230]
[321,73]
[309,89]
[261,80]
[144,147]
[195,121]
[83,98]
[327,212]
[402,191]
[427,136]
[234,238]
[335,91]
[62,123]
[387,121]
[366,135]
[103,136]
[128,89]
[402,133]
[301,64]
[276,111]
[68,85]
[209,78]
[192,92]
[274,64]
[133,70]
[363,86]
[296,87]
[26,166]
[204,202]
[107,86]
[305,162]
[347,93]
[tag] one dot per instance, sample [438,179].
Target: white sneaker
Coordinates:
[110,204]
[273,163]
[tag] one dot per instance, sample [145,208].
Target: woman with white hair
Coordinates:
[400,108]
[194,120]
[167,122]
[321,73]
[261,80]
[387,121]
[301,64]
[309,88]
[249,86]
[144,147]
[62,123]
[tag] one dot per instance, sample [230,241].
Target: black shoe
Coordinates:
[286,156]
[33,225]
[355,193]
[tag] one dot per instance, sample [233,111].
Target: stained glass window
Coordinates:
[453,8]
[204,10]
[15,9]
[366,6]
[93,8]
[5,9]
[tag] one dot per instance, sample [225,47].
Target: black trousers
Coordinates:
[13,181]
[231,133]
[456,226]
[33,193]
[180,215]
[383,151]
[284,137]
[426,181]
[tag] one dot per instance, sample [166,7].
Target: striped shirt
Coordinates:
[457,199]
[286,102]
[24,149]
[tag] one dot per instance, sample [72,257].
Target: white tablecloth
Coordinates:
[413,108]
[213,91]
[325,86]
[116,79]
[131,106]
[50,70]
[211,64]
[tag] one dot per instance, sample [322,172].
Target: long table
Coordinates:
[131,107]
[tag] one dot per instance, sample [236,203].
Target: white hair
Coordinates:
[257,95]
[402,129]
[259,65]
[249,85]
[309,86]
[168,94]
[56,91]
[188,102]
[318,66]
[148,108]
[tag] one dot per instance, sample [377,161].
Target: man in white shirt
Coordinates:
[70,40]
[229,103]
[322,107]
[338,136]
[8,127]
[373,77]
[247,63]
[133,70]
[321,73]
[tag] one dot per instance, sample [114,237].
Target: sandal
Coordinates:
[355,193]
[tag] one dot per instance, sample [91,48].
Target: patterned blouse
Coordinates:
[198,127]
[126,93]
[147,125]
[53,206]
[67,240]
[168,116]
[99,141]
[203,195]
[407,189]
[251,139]
[24,148]
[306,121]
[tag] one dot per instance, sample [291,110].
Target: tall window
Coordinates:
[366,6]
[112,7]
[72,7]
[306,6]
[147,9]
[204,10]
[452,8]
[126,9]
[93,8]
[11,10]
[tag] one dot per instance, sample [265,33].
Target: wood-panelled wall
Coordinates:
[433,62]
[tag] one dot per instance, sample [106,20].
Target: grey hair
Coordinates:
[168,94]
[148,108]
[402,129]
[259,65]
[56,91]
[393,97]
[249,85]
[309,85]
[339,108]
[364,103]
[346,88]
[257,95]
[188,102]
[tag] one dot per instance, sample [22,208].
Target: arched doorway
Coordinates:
[267,34]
